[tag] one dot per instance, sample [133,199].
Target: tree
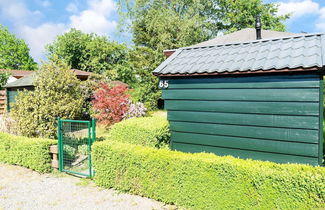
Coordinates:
[4,76]
[161,24]
[88,52]
[57,94]
[14,52]
[143,60]
[110,103]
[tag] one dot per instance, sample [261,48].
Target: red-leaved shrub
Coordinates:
[110,103]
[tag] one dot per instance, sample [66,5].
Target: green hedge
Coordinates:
[32,153]
[147,131]
[207,181]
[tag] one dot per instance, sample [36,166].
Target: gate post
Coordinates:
[60,144]
[93,122]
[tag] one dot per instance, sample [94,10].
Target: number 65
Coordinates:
[163,84]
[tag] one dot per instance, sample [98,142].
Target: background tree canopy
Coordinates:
[157,25]
[88,52]
[14,52]
[161,24]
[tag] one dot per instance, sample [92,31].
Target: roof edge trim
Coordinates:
[242,72]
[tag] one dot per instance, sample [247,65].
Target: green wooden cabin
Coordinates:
[25,83]
[260,99]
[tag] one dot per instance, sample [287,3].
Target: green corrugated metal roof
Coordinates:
[299,51]
[26,81]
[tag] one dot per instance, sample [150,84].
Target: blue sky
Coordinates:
[39,21]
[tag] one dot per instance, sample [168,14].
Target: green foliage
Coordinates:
[14,53]
[83,149]
[69,152]
[161,24]
[4,76]
[32,153]
[144,60]
[57,94]
[148,131]
[88,52]
[207,181]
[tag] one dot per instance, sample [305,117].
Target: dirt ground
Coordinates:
[21,188]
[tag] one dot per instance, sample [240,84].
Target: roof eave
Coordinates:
[300,69]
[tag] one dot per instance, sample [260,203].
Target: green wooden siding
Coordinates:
[276,118]
[12,93]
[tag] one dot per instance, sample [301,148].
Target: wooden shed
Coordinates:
[260,99]
[26,83]
[15,74]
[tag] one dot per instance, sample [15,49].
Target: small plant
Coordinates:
[135,110]
[69,152]
[83,149]
[110,103]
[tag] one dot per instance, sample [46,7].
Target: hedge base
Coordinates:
[207,181]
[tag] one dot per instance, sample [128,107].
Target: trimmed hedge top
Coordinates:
[32,153]
[207,181]
[147,131]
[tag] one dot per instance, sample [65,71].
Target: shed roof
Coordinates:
[302,51]
[18,73]
[26,81]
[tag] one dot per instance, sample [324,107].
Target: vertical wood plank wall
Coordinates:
[275,117]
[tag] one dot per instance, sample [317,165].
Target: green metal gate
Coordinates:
[75,138]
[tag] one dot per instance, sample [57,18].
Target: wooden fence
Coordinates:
[2,101]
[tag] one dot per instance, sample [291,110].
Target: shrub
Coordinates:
[57,94]
[32,153]
[69,152]
[83,149]
[207,181]
[135,110]
[147,131]
[110,103]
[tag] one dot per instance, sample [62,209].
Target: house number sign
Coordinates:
[163,84]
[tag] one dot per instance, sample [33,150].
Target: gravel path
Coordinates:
[21,188]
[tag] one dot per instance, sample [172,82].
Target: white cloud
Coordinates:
[17,11]
[298,8]
[27,23]
[40,36]
[96,18]
[72,7]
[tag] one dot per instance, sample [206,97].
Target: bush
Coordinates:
[32,153]
[57,94]
[146,131]
[135,110]
[69,152]
[207,181]
[110,103]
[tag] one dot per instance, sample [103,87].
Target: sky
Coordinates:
[38,22]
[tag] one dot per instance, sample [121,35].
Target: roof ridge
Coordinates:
[255,41]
